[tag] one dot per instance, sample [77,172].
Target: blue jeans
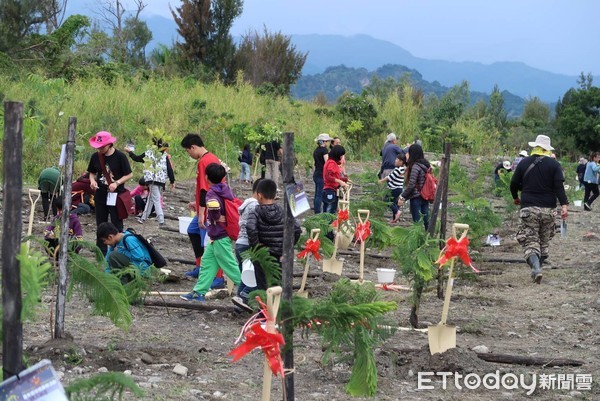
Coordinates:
[318,204]
[396,192]
[243,290]
[245,173]
[418,207]
[330,201]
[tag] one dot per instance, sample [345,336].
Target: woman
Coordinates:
[115,163]
[332,179]
[590,181]
[320,156]
[416,168]
[245,160]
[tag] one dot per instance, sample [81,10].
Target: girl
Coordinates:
[417,166]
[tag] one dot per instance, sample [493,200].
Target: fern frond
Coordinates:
[105,386]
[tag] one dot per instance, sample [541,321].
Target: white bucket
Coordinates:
[248,276]
[184,223]
[385,276]
[577,203]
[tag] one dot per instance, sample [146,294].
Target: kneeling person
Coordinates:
[124,249]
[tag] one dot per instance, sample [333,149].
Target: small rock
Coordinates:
[575,393]
[213,312]
[180,370]
[147,358]
[218,394]
[154,379]
[512,334]
[127,372]
[60,375]
[103,370]
[481,349]
[411,373]
[78,370]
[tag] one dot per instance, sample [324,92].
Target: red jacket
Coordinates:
[331,172]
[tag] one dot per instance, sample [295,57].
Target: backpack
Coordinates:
[232,217]
[156,258]
[429,186]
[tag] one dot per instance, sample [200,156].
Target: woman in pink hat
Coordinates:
[116,164]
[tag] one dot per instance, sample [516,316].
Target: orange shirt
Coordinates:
[201,182]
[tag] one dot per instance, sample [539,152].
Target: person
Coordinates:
[124,250]
[140,195]
[581,172]
[332,179]
[49,183]
[218,251]
[539,178]
[416,167]
[245,160]
[522,154]
[336,141]
[590,181]
[273,153]
[50,234]
[260,155]
[320,156]
[242,244]
[194,146]
[502,168]
[157,168]
[389,152]
[395,182]
[265,227]
[82,195]
[115,163]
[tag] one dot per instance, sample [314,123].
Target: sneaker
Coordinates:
[587,207]
[538,278]
[140,220]
[239,302]
[193,273]
[193,296]
[218,283]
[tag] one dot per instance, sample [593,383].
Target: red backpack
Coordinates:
[232,217]
[429,186]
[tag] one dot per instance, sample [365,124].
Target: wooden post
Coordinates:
[12,327]
[287,276]
[61,294]
[443,184]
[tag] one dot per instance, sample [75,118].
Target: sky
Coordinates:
[561,36]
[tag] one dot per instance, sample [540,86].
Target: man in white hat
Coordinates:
[320,156]
[522,154]
[540,180]
[389,153]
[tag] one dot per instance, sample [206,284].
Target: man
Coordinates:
[540,180]
[273,153]
[320,156]
[389,153]
[50,185]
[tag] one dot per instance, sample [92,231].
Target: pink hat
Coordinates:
[101,139]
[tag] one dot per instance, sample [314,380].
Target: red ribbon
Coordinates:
[311,247]
[343,215]
[256,337]
[456,248]
[363,230]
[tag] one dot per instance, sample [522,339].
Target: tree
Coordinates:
[496,112]
[270,58]
[578,117]
[136,37]
[358,119]
[115,14]
[18,19]
[53,12]
[536,113]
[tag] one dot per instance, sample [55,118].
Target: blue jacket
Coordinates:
[591,173]
[134,250]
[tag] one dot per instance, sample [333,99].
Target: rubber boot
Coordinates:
[536,271]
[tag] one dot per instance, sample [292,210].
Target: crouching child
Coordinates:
[124,250]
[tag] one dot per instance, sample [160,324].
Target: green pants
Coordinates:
[217,254]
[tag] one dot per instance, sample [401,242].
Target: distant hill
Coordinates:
[336,80]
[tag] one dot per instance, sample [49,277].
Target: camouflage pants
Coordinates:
[536,229]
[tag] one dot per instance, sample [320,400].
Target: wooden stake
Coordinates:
[273,299]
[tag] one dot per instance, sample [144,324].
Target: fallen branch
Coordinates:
[202,306]
[528,360]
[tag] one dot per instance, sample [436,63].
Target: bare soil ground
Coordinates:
[503,311]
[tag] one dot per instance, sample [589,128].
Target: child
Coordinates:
[82,195]
[395,182]
[265,227]
[242,245]
[124,249]
[140,194]
[333,180]
[217,252]
[155,175]
[75,230]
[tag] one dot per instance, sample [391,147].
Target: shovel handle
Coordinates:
[449,285]
[343,204]
[459,226]
[363,215]
[314,233]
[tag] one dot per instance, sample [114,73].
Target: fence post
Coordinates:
[12,327]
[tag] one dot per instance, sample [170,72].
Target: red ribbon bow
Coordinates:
[456,248]
[311,246]
[343,215]
[256,337]
[363,230]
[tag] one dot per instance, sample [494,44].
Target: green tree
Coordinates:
[137,36]
[578,117]
[18,19]
[495,111]
[115,14]
[536,113]
[358,117]
[270,59]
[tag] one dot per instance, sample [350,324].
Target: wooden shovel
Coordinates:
[345,229]
[442,337]
[273,298]
[38,193]
[332,265]
[363,217]
[314,235]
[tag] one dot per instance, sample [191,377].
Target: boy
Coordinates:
[395,182]
[217,252]
[124,249]
[75,230]
[265,227]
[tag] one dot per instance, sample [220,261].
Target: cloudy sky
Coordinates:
[561,36]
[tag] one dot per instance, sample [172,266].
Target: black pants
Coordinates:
[259,274]
[102,213]
[591,193]
[46,204]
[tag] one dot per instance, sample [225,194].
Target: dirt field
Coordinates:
[503,311]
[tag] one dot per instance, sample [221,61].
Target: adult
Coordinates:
[389,153]
[333,179]
[540,180]
[107,160]
[245,159]
[273,153]
[502,168]
[82,195]
[194,146]
[320,156]
[49,183]
[416,168]
[335,141]
[580,170]
[522,154]
[590,181]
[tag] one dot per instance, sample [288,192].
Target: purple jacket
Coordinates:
[216,208]
[75,230]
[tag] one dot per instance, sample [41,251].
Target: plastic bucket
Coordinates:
[577,203]
[385,276]
[248,276]
[184,223]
